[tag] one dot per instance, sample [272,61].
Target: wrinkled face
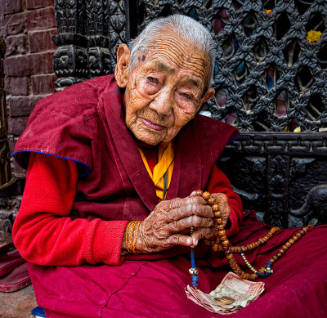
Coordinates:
[165,89]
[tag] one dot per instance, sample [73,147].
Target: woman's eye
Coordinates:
[187,96]
[152,80]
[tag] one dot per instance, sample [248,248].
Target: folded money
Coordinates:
[232,294]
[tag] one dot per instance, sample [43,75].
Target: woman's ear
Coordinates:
[122,66]
[208,95]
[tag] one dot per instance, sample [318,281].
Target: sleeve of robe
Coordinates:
[44,233]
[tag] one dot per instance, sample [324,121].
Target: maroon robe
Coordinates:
[85,123]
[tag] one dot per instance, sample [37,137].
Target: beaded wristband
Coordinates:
[129,235]
[138,223]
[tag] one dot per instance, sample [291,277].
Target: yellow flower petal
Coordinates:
[313,36]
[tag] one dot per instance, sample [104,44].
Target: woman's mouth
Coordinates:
[151,125]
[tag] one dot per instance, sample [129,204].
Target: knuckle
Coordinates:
[174,225]
[161,233]
[196,221]
[174,203]
[174,239]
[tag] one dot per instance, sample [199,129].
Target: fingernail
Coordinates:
[189,241]
[195,242]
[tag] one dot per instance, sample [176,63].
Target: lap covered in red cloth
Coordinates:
[155,288]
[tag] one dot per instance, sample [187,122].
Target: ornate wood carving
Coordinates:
[274,174]
[88,35]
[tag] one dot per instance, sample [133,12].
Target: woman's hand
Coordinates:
[163,228]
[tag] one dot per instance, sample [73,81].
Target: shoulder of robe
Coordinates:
[76,101]
[64,121]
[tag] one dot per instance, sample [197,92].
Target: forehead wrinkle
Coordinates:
[173,41]
[171,53]
[176,46]
[181,54]
[197,64]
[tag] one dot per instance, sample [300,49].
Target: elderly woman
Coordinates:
[113,163]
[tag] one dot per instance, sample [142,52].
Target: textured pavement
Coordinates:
[17,304]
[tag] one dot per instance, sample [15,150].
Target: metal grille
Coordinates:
[269,75]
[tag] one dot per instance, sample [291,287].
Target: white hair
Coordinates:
[182,25]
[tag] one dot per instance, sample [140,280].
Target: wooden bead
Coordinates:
[253,276]
[199,192]
[211,201]
[219,221]
[225,243]
[234,264]
[215,248]
[223,238]
[215,207]
[206,195]
[217,214]
[228,251]
[221,233]
[237,250]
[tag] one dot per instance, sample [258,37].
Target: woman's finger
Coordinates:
[202,233]
[179,239]
[186,211]
[185,223]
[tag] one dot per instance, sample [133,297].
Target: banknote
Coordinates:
[232,294]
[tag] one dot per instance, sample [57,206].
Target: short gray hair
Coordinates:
[182,25]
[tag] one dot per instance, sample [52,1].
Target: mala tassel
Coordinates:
[193,270]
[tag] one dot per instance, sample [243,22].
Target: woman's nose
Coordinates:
[163,102]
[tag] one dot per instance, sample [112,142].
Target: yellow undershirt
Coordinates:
[165,162]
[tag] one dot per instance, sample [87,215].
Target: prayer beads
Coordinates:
[222,244]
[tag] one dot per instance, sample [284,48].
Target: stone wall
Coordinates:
[27,27]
